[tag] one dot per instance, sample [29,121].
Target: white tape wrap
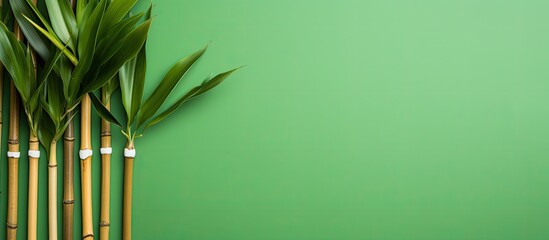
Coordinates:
[106,151]
[85,153]
[129,152]
[34,153]
[14,154]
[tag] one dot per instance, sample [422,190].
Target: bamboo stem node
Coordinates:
[105,133]
[11,226]
[87,236]
[70,139]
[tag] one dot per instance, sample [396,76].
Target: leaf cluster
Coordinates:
[86,48]
[140,113]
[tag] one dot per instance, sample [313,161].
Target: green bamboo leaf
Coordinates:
[126,76]
[42,19]
[65,68]
[53,40]
[193,93]
[14,59]
[30,78]
[56,102]
[138,83]
[63,21]
[112,39]
[116,11]
[36,118]
[80,9]
[60,130]
[148,13]
[88,31]
[41,80]
[161,93]
[86,49]
[38,42]
[46,131]
[109,88]
[132,81]
[102,111]
[131,46]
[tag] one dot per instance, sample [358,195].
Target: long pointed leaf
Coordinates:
[14,58]
[53,40]
[37,40]
[138,83]
[116,11]
[131,46]
[193,93]
[63,21]
[102,111]
[161,93]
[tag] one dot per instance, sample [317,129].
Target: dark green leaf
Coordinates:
[193,93]
[116,11]
[46,132]
[131,46]
[161,93]
[138,83]
[102,111]
[86,48]
[36,39]
[14,58]
[112,40]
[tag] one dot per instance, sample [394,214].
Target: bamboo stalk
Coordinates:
[1,96]
[34,145]
[52,191]
[104,224]
[13,162]
[85,169]
[127,208]
[1,88]
[68,175]
[68,180]
[33,189]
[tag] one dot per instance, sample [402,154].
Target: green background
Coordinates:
[377,119]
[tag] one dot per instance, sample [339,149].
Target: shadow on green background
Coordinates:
[353,120]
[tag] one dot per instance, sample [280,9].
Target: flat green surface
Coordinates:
[381,120]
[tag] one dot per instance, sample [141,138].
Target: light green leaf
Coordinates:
[63,21]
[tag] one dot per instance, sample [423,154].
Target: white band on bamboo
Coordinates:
[85,153]
[106,151]
[129,152]
[34,153]
[14,154]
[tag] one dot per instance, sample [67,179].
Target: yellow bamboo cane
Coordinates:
[104,224]
[85,168]
[13,158]
[128,183]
